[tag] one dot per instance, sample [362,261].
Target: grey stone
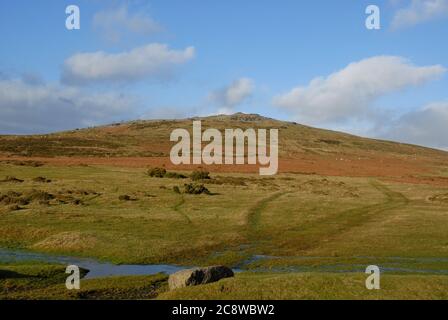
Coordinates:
[198,276]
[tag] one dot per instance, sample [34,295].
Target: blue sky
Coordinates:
[205,57]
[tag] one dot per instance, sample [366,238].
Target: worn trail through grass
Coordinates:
[333,227]
[254,213]
[177,209]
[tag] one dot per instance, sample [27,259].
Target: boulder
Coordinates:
[198,276]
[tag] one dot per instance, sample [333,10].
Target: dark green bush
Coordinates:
[124,197]
[191,188]
[162,173]
[157,172]
[42,180]
[12,179]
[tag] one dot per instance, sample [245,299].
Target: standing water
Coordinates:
[96,268]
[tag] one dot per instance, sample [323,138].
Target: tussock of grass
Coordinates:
[162,173]
[200,175]
[439,198]
[41,180]
[11,179]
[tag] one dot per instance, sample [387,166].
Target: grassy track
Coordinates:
[353,218]
[178,209]
[255,213]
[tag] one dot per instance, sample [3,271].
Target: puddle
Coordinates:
[96,268]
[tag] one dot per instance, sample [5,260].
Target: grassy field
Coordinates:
[287,216]
[313,286]
[47,282]
[308,225]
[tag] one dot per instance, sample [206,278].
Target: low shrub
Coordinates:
[12,179]
[77,202]
[200,175]
[162,173]
[124,197]
[174,175]
[13,198]
[191,188]
[234,181]
[41,180]
[15,207]
[39,195]
[157,172]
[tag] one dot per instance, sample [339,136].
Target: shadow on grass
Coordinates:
[7,274]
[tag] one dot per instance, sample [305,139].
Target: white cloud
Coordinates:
[150,61]
[427,126]
[114,23]
[420,11]
[348,94]
[232,95]
[39,108]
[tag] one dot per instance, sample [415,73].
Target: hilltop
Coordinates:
[302,149]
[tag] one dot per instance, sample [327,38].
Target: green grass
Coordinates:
[305,222]
[312,286]
[36,281]
[291,215]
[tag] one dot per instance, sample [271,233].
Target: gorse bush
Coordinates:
[12,179]
[124,197]
[157,172]
[23,199]
[200,175]
[162,173]
[191,188]
[41,179]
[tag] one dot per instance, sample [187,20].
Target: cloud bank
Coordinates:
[116,22]
[345,100]
[153,61]
[27,108]
[420,11]
[349,93]
[427,126]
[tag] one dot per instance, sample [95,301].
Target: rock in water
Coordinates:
[198,276]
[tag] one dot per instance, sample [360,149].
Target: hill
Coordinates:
[302,149]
